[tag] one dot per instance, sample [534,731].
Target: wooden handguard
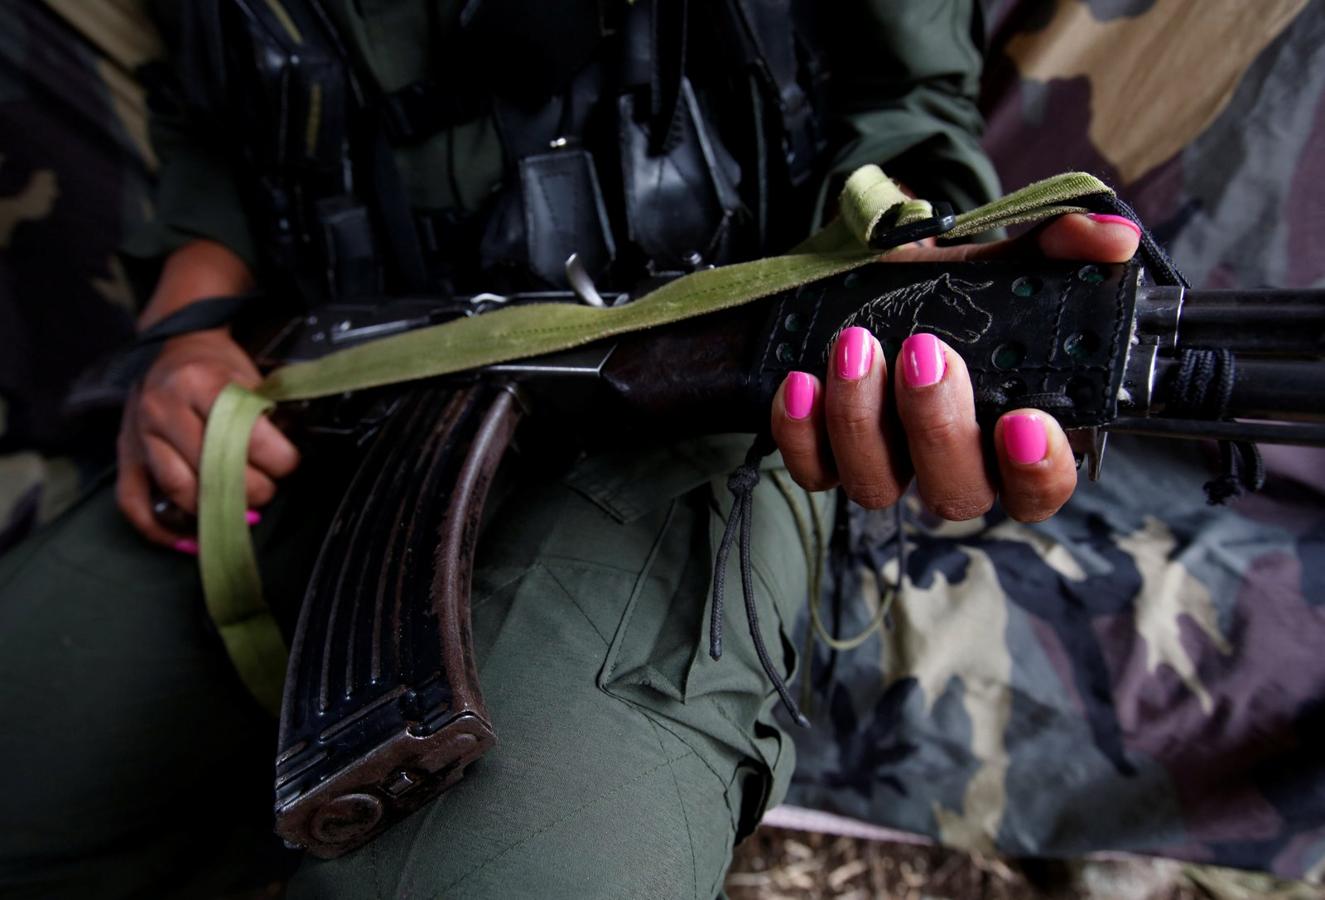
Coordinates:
[382,708]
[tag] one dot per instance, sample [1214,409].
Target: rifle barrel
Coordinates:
[1268,388]
[1302,434]
[1269,323]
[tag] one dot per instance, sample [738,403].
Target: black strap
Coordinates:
[396,217]
[107,383]
[669,21]
[1161,265]
[200,315]
[420,110]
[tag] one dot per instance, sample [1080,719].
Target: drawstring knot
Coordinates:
[742,483]
[743,480]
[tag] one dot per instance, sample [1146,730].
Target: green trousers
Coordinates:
[629,761]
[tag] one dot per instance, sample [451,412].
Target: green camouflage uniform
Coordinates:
[629,760]
[75,181]
[1139,673]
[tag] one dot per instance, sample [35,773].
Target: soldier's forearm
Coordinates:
[197,270]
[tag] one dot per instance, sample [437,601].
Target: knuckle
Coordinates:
[856,422]
[792,442]
[940,432]
[260,490]
[1032,515]
[286,463]
[175,485]
[195,379]
[962,507]
[1037,503]
[812,481]
[874,495]
[152,408]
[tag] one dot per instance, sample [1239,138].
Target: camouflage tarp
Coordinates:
[74,181]
[1139,673]
[1142,672]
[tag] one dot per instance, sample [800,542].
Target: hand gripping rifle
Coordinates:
[382,707]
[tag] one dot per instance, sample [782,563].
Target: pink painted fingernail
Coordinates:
[922,360]
[1025,438]
[854,354]
[798,397]
[1114,220]
[252,517]
[186,545]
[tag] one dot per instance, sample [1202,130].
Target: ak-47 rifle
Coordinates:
[382,706]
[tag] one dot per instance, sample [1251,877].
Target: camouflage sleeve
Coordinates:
[198,192]
[905,83]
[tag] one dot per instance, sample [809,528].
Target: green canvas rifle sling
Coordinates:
[875,217]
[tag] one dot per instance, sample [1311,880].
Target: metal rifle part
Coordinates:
[382,709]
[679,374]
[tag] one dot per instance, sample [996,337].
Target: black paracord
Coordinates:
[1202,387]
[742,485]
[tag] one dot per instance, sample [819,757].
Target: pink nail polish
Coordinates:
[854,354]
[798,396]
[252,517]
[186,545]
[922,360]
[1114,220]
[1025,438]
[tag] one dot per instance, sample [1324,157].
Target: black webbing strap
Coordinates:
[1159,263]
[669,27]
[424,108]
[130,364]
[395,216]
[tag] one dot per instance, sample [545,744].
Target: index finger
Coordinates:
[1092,238]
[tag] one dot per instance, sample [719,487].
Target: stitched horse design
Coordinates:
[941,305]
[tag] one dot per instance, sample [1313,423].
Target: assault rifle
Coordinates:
[382,707]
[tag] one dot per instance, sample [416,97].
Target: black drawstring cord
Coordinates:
[1202,388]
[742,485]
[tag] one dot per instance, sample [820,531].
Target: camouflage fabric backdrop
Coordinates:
[1143,672]
[75,179]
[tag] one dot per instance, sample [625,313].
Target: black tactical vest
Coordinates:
[656,135]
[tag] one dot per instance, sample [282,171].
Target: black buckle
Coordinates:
[943,221]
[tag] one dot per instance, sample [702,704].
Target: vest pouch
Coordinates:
[352,263]
[680,203]
[564,213]
[286,86]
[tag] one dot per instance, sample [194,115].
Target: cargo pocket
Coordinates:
[658,658]
[657,642]
[782,557]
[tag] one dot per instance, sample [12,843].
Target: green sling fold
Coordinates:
[870,201]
